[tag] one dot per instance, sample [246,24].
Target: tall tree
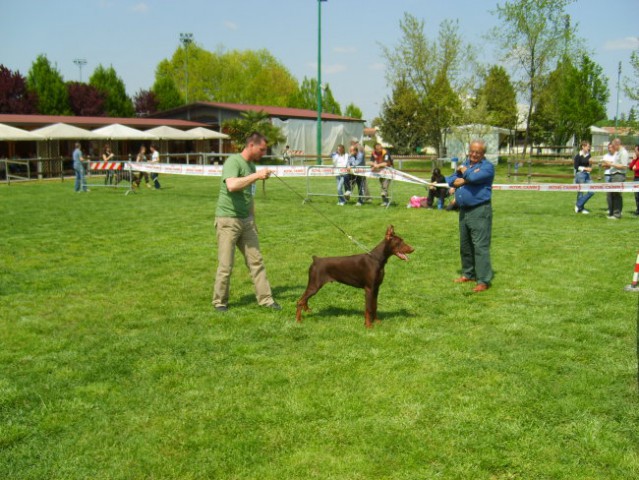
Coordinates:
[631,85]
[117,103]
[166,94]
[498,98]
[85,100]
[432,68]
[14,96]
[353,111]
[532,34]
[402,121]
[250,121]
[249,76]
[47,83]
[572,99]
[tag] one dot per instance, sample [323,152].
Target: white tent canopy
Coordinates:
[201,133]
[169,133]
[117,131]
[9,133]
[62,131]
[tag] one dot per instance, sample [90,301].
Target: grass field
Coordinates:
[115,366]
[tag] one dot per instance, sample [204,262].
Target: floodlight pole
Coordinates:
[617,106]
[186,39]
[80,62]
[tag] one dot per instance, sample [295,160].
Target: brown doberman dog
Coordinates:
[365,271]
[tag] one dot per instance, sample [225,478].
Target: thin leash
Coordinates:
[350,237]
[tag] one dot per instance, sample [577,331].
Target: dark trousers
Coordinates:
[615,199]
[475,232]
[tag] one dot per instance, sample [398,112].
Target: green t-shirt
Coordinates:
[235,204]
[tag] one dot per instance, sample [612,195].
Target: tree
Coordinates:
[353,111]
[250,121]
[402,122]
[47,83]
[85,100]
[532,34]
[145,103]
[497,99]
[631,86]
[249,76]
[572,99]
[166,94]
[117,103]
[14,96]
[306,97]
[433,70]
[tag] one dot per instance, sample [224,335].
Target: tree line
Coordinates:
[249,77]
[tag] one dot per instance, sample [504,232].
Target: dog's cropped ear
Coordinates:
[390,231]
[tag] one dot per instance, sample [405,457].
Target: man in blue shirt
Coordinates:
[473,182]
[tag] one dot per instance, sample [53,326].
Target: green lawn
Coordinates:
[113,364]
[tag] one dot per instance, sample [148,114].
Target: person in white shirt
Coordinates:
[616,167]
[155,158]
[340,160]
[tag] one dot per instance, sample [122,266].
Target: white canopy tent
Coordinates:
[169,133]
[10,134]
[63,131]
[117,131]
[202,133]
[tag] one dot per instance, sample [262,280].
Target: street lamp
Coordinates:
[186,39]
[319,81]
[80,62]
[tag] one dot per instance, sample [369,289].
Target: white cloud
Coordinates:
[231,25]
[335,68]
[347,50]
[140,8]
[377,66]
[627,43]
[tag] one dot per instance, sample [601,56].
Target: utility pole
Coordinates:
[80,62]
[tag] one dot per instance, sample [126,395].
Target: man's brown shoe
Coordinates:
[480,287]
[463,280]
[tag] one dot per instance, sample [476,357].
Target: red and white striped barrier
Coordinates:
[634,286]
[106,165]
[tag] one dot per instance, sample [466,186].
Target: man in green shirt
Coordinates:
[235,223]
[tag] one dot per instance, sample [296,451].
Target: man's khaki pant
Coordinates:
[240,233]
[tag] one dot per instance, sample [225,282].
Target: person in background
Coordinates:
[155,158]
[473,182]
[141,157]
[617,168]
[437,192]
[581,164]
[78,167]
[634,167]
[340,160]
[107,156]
[235,224]
[381,159]
[356,160]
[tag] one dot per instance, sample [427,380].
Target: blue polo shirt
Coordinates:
[479,183]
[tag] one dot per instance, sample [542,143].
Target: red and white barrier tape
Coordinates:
[390,173]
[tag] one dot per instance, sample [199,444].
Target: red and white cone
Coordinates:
[634,286]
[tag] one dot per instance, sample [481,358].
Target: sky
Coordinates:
[133,36]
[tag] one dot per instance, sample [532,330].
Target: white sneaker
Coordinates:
[585,212]
[341,204]
[576,209]
[612,217]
